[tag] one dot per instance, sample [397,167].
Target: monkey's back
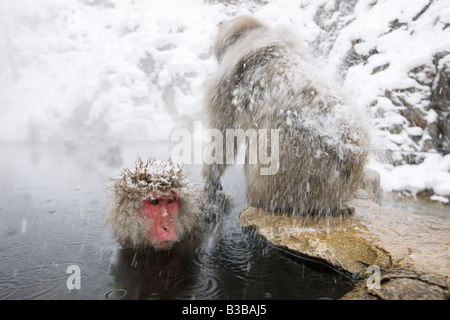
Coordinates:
[323,144]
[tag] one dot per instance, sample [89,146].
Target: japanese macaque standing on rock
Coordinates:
[267,80]
[153,205]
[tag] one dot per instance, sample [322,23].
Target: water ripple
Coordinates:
[114,294]
[8,289]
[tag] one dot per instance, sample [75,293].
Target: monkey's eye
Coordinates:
[171,200]
[154,201]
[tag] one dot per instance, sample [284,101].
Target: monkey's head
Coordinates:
[230,31]
[152,205]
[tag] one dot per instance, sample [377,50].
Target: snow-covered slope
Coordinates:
[104,71]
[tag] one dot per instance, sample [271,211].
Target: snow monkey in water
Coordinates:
[267,80]
[154,205]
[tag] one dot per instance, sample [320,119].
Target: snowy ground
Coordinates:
[97,72]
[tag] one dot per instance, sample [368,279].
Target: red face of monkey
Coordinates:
[162,212]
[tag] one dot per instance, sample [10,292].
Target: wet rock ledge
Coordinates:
[412,252]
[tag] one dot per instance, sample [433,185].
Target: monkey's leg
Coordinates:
[212,174]
[345,211]
[213,187]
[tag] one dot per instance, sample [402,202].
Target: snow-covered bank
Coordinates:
[432,174]
[103,71]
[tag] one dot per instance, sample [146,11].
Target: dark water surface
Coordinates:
[52,209]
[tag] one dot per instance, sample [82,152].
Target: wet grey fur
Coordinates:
[267,80]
